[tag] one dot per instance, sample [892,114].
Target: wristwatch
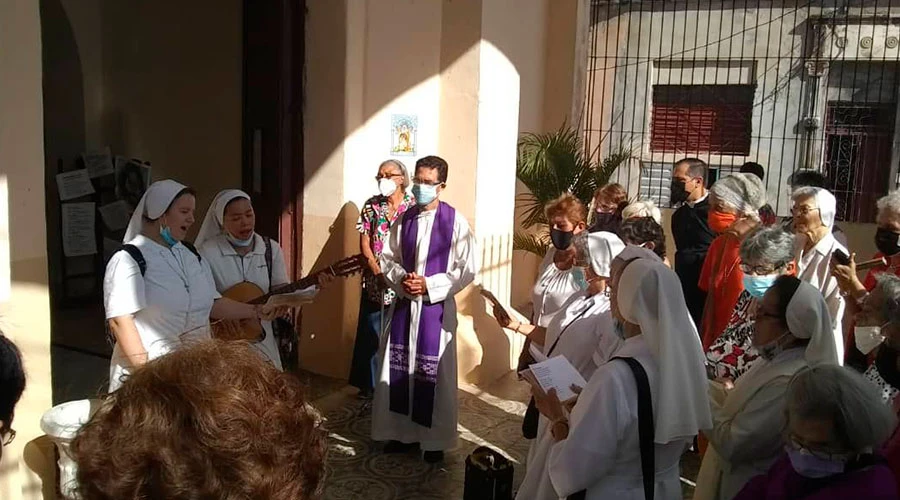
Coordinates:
[561,423]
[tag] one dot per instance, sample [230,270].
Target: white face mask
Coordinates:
[867,338]
[387,187]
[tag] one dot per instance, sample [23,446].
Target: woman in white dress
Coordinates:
[576,332]
[158,292]
[598,450]
[236,253]
[792,331]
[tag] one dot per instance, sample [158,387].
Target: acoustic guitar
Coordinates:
[250,293]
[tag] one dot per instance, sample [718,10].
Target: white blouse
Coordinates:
[170,304]
[230,268]
[554,287]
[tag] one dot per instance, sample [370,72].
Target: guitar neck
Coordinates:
[308,281]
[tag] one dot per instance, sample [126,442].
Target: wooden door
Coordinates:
[273,120]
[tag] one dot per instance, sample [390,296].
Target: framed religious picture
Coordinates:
[132,179]
[403,134]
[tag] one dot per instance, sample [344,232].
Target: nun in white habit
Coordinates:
[580,331]
[154,310]
[236,253]
[598,445]
[793,330]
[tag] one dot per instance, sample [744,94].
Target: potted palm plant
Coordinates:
[552,164]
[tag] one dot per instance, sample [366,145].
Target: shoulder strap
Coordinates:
[190,246]
[646,430]
[576,318]
[268,242]
[136,254]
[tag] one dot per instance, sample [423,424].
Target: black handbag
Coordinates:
[532,415]
[489,475]
[646,431]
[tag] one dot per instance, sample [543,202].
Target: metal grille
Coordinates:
[787,84]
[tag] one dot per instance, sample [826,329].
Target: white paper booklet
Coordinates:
[555,373]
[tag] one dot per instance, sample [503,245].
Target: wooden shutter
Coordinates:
[702,119]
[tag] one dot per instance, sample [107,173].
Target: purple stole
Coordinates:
[431,319]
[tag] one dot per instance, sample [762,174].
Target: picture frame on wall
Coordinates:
[404,134]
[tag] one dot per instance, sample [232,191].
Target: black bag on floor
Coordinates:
[489,476]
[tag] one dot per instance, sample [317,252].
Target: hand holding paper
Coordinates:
[555,373]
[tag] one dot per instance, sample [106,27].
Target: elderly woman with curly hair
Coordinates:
[209,421]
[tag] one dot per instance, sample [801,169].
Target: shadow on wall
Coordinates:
[329,323]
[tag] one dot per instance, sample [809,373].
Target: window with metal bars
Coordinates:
[702,119]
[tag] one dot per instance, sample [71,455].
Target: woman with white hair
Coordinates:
[376,217]
[643,208]
[813,210]
[835,424]
[236,253]
[583,333]
[792,332]
[734,203]
[887,241]
[766,254]
[158,291]
[640,410]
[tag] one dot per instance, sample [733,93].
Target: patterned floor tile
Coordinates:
[357,469]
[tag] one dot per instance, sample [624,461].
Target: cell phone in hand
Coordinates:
[841,257]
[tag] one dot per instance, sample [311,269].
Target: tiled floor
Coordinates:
[358,470]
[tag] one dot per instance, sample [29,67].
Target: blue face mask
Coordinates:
[240,243]
[578,276]
[757,286]
[813,467]
[424,193]
[166,235]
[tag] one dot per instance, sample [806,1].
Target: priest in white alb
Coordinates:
[429,258]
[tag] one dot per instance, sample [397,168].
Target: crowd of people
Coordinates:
[757,345]
[762,350]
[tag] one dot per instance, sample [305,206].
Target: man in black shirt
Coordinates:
[690,229]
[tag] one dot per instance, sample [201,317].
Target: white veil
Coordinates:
[213,222]
[808,318]
[649,294]
[153,205]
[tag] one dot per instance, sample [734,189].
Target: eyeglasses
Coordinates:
[426,183]
[802,211]
[387,176]
[761,270]
[795,444]
[8,437]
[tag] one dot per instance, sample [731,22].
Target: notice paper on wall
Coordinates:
[99,163]
[555,373]
[74,184]
[116,215]
[78,229]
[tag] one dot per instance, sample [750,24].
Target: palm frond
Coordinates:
[549,165]
[533,243]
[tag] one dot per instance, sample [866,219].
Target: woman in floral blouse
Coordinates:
[375,219]
[765,255]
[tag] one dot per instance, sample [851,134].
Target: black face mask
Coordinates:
[887,242]
[886,362]
[608,222]
[678,193]
[561,239]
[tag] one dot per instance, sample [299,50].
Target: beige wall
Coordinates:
[469,70]
[156,80]
[25,316]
